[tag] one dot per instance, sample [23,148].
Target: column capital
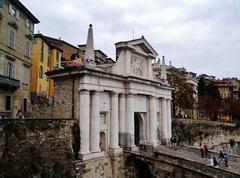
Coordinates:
[113,93]
[130,95]
[95,92]
[84,91]
[122,94]
[163,98]
[152,97]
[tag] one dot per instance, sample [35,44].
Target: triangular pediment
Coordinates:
[140,44]
[143,48]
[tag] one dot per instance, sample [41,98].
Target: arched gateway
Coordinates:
[117,104]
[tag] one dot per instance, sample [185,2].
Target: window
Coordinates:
[11,38]
[13,11]
[27,49]
[42,51]
[49,61]
[39,88]
[9,69]
[8,103]
[41,72]
[57,59]
[1,3]
[26,73]
[29,24]
[49,50]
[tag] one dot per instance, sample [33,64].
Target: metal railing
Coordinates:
[8,81]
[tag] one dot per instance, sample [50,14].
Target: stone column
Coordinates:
[152,120]
[114,121]
[130,122]
[122,119]
[95,123]
[84,121]
[169,119]
[163,120]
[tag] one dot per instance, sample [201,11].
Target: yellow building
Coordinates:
[45,57]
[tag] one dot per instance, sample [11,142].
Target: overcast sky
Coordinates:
[201,35]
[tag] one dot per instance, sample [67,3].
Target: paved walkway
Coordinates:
[233,166]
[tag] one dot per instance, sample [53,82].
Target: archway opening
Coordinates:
[103,143]
[137,168]
[138,128]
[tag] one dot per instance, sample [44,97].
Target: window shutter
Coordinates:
[5,71]
[13,71]
[10,9]
[32,27]
[17,15]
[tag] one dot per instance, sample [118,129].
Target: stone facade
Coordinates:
[16,29]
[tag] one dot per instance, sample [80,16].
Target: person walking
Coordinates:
[20,114]
[202,150]
[174,141]
[205,151]
[221,156]
[226,160]
[211,161]
[215,164]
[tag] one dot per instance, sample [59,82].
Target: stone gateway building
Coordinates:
[117,105]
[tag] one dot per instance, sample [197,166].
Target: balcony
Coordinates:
[7,83]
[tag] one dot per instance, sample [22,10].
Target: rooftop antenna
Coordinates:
[133,34]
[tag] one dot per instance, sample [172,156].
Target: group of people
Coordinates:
[223,158]
[19,115]
[204,150]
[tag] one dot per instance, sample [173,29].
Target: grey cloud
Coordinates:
[202,36]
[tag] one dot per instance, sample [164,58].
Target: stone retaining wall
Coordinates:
[211,133]
[40,148]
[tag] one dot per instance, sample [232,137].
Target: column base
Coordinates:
[154,144]
[115,150]
[92,155]
[165,141]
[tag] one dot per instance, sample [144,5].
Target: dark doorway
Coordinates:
[138,128]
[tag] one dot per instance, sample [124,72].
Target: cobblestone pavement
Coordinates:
[233,166]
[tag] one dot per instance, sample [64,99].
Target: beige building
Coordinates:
[16,38]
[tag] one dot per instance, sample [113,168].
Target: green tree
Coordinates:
[183,95]
[209,98]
